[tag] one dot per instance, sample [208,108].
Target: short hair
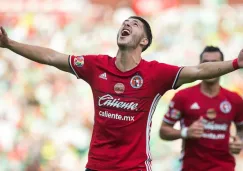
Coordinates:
[147,30]
[212,49]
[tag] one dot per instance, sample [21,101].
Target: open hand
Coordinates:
[4,40]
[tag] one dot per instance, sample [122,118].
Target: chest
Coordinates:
[136,84]
[220,110]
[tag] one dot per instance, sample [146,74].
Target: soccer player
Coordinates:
[126,90]
[205,112]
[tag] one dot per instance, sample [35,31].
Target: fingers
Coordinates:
[3,31]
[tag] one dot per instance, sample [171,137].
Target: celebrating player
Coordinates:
[126,90]
[205,112]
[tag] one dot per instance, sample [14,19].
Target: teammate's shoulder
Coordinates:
[234,96]
[187,90]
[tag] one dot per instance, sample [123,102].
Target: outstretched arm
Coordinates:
[209,70]
[35,53]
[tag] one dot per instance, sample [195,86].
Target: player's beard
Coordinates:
[132,43]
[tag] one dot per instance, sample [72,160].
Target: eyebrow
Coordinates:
[134,20]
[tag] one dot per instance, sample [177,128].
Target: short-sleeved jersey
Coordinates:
[211,152]
[124,105]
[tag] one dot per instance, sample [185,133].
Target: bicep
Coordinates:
[188,74]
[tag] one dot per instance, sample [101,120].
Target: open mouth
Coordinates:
[125,32]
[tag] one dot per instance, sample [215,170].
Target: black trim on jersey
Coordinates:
[176,78]
[72,69]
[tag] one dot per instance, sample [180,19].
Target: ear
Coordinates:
[144,42]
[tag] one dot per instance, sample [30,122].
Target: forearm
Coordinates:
[210,70]
[34,53]
[169,133]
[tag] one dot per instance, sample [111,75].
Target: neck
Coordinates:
[210,89]
[127,59]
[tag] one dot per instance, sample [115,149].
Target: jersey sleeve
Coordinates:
[166,76]
[239,113]
[83,66]
[175,110]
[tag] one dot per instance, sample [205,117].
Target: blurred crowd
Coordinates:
[46,115]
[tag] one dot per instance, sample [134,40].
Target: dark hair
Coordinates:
[212,49]
[147,30]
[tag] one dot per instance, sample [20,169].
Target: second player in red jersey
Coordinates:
[205,112]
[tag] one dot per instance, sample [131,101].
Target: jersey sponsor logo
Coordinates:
[195,106]
[175,114]
[225,107]
[213,136]
[211,113]
[116,116]
[110,101]
[119,88]
[212,126]
[79,61]
[136,81]
[103,76]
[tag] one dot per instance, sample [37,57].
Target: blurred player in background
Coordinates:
[205,112]
[126,90]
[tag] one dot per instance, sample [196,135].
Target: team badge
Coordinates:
[136,81]
[175,114]
[225,107]
[119,88]
[211,113]
[79,61]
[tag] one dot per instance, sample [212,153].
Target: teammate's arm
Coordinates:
[35,53]
[209,70]
[168,132]
[195,130]
[236,143]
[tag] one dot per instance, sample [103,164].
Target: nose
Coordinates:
[127,23]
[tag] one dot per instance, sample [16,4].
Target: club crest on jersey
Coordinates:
[79,61]
[119,88]
[136,81]
[211,113]
[225,107]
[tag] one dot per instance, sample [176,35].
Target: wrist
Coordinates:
[184,132]
[235,64]
[9,44]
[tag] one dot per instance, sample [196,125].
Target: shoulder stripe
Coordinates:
[176,78]
[70,64]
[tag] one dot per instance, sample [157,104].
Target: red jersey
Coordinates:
[211,152]
[124,105]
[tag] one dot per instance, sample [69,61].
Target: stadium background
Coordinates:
[46,115]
